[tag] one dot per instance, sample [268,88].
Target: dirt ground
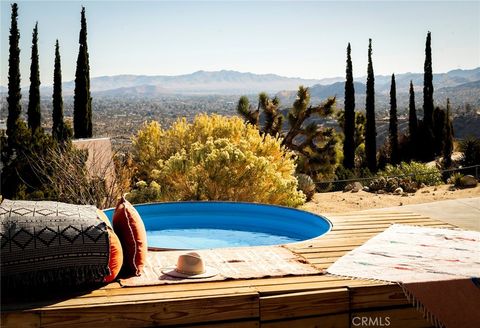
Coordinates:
[342,202]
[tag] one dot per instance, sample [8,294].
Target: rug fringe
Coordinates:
[358,278]
[421,308]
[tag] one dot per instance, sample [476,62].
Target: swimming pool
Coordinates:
[202,225]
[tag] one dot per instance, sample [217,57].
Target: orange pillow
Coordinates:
[102,216]
[129,227]
[116,256]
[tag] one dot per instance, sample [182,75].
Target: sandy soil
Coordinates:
[342,202]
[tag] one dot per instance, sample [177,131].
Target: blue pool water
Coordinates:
[201,225]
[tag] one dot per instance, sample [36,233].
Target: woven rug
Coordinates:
[231,263]
[438,270]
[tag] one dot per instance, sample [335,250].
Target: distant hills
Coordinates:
[456,84]
[200,82]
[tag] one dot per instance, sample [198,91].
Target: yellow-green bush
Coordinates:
[213,158]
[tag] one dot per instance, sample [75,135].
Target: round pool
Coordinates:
[202,225]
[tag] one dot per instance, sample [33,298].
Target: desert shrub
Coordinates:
[391,184]
[213,158]
[417,172]
[470,148]
[455,179]
[76,176]
[306,185]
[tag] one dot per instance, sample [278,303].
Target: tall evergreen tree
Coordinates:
[34,114]
[59,129]
[393,129]
[448,144]
[428,137]
[370,130]
[82,108]
[349,126]
[14,91]
[439,119]
[412,123]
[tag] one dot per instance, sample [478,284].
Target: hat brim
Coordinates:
[209,272]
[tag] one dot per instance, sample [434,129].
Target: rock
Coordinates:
[366,189]
[398,191]
[357,186]
[380,192]
[348,187]
[401,204]
[468,181]
[452,188]
[422,185]
[435,189]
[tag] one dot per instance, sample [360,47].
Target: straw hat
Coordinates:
[190,266]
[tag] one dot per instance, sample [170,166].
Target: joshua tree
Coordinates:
[315,145]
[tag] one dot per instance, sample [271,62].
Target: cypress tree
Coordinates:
[14,91]
[349,126]
[428,107]
[393,129]
[439,119]
[82,107]
[59,131]
[448,144]
[412,123]
[370,130]
[34,114]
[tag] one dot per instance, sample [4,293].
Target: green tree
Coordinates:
[448,144]
[412,124]
[428,107]
[14,91]
[82,107]
[349,126]
[244,109]
[60,130]
[34,113]
[393,128]
[315,145]
[439,120]
[370,129]
[272,115]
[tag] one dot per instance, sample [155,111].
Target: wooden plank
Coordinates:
[392,318]
[376,296]
[328,321]
[304,304]
[163,313]
[19,319]
[231,324]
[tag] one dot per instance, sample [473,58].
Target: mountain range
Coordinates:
[227,82]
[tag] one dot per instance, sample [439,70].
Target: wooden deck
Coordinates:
[307,301]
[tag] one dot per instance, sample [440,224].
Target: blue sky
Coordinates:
[304,39]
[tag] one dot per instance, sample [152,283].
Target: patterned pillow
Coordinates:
[52,244]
